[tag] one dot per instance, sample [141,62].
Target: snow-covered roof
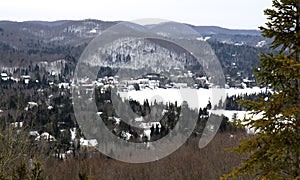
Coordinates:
[45,136]
[118,120]
[25,76]
[17,124]
[34,133]
[73,133]
[247,80]
[126,135]
[99,113]
[148,125]
[32,104]
[147,133]
[88,143]
[138,119]
[64,85]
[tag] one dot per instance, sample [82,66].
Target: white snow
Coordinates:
[88,143]
[34,133]
[139,119]
[17,124]
[126,135]
[32,104]
[203,38]
[99,113]
[260,44]
[93,31]
[236,91]
[239,114]
[73,133]
[64,85]
[195,98]
[148,125]
[147,133]
[4,76]
[118,120]
[45,136]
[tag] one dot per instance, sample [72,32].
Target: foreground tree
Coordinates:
[273,151]
[17,159]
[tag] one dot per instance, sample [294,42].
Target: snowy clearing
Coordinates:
[196,98]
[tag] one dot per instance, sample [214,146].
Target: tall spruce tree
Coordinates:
[273,151]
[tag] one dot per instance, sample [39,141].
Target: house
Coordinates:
[64,85]
[146,126]
[17,124]
[153,84]
[88,143]
[34,133]
[26,78]
[249,83]
[45,136]
[126,135]
[143,81]
[32,104]
[73,133]
[4,76]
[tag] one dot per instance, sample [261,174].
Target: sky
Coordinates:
[234,14]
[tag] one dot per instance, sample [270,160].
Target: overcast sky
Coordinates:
[237,14]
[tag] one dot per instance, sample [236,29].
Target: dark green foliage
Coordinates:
[273,151]
[136,86]
[283,25]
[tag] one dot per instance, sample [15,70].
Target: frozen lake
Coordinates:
[195,98]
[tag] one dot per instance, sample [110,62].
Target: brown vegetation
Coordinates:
[188,162]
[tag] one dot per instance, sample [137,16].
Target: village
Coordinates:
[55,87]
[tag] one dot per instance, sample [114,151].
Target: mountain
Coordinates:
[49,23]
[31,42]
[232,36]
[26,35]
[38,34]
[220,30]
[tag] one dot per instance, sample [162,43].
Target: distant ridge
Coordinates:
[49,23]
[30,35]
[220,30]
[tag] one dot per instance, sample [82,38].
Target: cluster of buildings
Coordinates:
[148,81]
[6,77]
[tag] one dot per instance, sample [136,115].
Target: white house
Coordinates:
[4,76]
[146,126]
[26,78]
[45,136]
[88,143]
[32,104]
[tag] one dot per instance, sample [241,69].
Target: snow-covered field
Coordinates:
[195,98]
[238,114]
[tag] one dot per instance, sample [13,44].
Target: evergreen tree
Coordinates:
[273,152]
